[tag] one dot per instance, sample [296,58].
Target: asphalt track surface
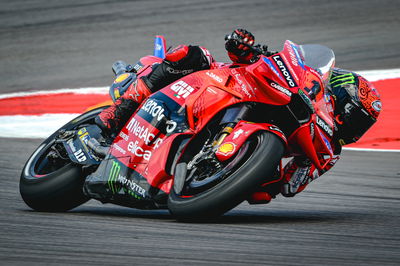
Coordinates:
[350,216]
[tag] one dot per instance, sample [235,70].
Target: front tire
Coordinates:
[259,163]
[54,186]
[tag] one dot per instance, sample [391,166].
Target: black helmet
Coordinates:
[357,105]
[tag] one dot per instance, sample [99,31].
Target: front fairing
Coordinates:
[133,174]
[300,75]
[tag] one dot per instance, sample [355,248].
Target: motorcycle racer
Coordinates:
[356,107]
[356,102]
[179,62]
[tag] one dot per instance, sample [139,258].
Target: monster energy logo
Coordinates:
[341,80]
[113,176]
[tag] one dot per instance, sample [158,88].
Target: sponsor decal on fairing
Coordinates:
[140,131]
[171,126]
[327,143]
[113,175]
[237,133]
[312,130]
[280,88]
[119,148]
[152,108]
[182,89]
[215,77]
[79,155]
[295,56]
[123,136]
[324,125]
[116,180]
[132,186]
[272,67]
[243,86]
[139,151]
[227,148]
[284,70]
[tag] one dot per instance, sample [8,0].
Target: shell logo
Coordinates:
[227,148]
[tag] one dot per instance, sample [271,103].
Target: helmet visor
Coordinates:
[356,122]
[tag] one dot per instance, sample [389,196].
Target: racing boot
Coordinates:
[112,119]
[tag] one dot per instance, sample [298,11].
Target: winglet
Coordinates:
[160,46]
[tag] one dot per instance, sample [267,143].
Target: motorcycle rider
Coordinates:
[179,62]
[356,107]
[356,102]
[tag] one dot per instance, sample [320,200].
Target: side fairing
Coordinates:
[134,171]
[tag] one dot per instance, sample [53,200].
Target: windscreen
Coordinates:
[319,57]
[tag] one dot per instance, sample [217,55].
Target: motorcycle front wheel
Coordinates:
[54,185]
[205,196]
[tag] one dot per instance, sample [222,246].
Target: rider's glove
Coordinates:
[237,42]
[297,174]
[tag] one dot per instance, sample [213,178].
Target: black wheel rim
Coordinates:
[39,165]
[198,185]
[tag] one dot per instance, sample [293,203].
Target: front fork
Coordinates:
[231,138]
[230,120]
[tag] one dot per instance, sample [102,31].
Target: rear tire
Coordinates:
[47,187]
[236,187]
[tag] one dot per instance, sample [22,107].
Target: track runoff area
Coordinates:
[37,114]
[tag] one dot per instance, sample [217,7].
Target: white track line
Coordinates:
[371,75]
[94,90]
[32,126]
[41,126]
[375,75]
[367,149]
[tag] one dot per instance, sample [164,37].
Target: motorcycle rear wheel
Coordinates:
[257,163]
[47,186]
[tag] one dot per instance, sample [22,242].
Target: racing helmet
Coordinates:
[357,106]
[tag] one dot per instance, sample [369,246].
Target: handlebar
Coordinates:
[258,48]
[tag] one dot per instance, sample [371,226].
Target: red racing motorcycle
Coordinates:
[200,146]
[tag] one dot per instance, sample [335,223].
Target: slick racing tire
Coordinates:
[260,155]
[47,186]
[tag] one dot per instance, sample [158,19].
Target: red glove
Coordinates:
[237,44]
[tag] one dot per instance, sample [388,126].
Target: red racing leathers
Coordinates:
[179,62]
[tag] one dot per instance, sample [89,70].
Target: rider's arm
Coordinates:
[179,62]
